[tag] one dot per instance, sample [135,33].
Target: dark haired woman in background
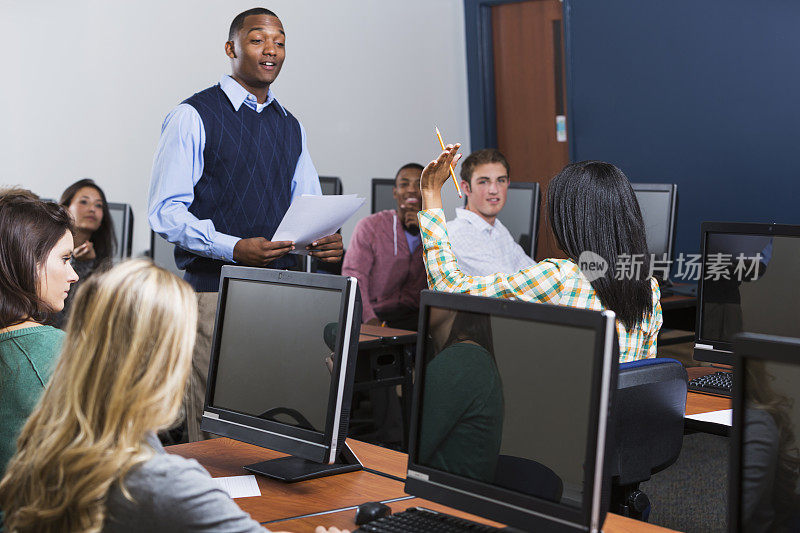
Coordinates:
[462,407]
[35,277]
[94,232]
[592,208]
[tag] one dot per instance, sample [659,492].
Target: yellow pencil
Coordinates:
[452,172]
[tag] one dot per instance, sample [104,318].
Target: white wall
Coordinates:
[87,84]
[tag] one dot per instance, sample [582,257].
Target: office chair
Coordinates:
[648,414]
[530,477]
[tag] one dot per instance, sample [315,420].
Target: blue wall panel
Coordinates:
[702,93]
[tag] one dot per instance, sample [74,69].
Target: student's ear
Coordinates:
[465,186]
[230,51]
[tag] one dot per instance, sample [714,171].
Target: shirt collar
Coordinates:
[239,95]
[475,219]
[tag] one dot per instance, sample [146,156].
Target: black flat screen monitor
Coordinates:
[764,492]
[657,202]
[282,363]
[122,217]
[509,417]
[330,185]
[162,252]
[382,194]
[520,215]
[748,282]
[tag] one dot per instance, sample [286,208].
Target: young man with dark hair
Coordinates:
[230,161]
[386,257]
[481,243]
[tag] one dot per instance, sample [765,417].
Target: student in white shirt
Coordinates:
[481,243]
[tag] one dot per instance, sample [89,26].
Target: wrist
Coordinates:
[431,200]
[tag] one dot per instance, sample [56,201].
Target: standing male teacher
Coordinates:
[229,162]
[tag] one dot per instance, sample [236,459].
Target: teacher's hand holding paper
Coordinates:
[311,223]
[329,249]
[258,251]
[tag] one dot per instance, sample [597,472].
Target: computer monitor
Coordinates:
[330,185]
[748,282]
[162,252]
[509,417]
[765,450]
[122,216]
[281,370]
[520,215]
[657,202]
[382,194]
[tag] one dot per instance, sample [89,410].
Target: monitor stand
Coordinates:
[291,469]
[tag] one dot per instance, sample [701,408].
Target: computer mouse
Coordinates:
[369,511]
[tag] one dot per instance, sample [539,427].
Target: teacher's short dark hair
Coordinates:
[29,230]
[238,20]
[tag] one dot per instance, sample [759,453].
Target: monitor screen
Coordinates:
[656,207]
[517,216]
[163,253]
[766,462]
[330,185]
[749,283]
[382,195]
[272,354]
[488,391]
[122,217]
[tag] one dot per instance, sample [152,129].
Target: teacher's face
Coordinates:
[258,50]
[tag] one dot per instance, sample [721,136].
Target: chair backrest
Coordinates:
[648,414]
[529,477]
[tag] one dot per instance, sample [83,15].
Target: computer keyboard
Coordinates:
[416,519]
[720,383]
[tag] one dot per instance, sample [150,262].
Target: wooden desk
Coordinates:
[346,519]
[285,506]
[225,457]
[697,403]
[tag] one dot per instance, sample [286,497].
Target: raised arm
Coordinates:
[541,282]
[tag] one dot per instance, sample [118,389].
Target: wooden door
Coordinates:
[529,95]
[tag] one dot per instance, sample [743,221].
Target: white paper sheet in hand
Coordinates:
[239,486]
[312,217]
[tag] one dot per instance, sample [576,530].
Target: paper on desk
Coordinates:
[239,486]
[723,417]
[312,217]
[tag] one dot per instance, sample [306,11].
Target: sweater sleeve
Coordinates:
[172,493]
[358,262]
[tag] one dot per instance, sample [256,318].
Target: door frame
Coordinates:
[480,73]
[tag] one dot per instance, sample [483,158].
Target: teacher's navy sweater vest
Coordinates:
[249,161]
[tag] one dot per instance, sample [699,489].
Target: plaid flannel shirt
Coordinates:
[553,281]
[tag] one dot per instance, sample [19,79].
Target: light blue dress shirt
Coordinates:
[178,166]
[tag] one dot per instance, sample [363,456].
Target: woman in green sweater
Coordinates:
[462,407]
[35,277]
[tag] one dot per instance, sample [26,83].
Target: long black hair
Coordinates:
[592,208]
[104,240]
[469,326]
